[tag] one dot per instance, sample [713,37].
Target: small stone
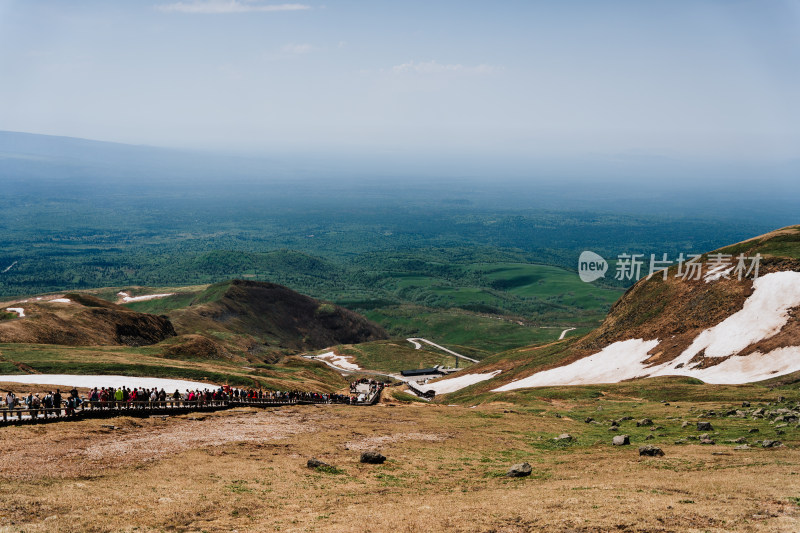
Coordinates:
[558,415]
[621,440]
[649,437]
[316,463]
[768,443]
[644,422]
[704,426]
[614,428]
[372,458]
[742,447]
[680,441]
[707,441]
[589,420]
[519,470]
[685,424]
[745,404]
[752,430]
[650,451]
[564,437]
[740,440]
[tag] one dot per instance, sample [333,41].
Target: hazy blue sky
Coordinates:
[708,79]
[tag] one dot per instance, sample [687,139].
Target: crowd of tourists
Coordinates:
[107,397]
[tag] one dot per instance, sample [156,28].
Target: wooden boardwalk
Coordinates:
[110,409]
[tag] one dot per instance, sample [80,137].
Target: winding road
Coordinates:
[563,333]
[417,340]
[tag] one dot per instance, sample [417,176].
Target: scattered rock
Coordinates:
[752,430]
[614,428]
[316,463]
[680,441]
[589,420]
[621,440]
[564,437]
[740,440]
[685,424]
[644,422]
[649,437]
[558,415]
[745,404]
[707,441]
[742,447]
[519,470]
[651,451]
[704,426]
[372,458]
[768,443]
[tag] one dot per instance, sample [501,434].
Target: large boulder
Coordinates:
[519,470]
[621,440]
[372,458]
[650,451]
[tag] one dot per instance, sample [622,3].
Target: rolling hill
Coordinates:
[81,320]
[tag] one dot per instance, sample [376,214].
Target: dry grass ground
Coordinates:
[245,470]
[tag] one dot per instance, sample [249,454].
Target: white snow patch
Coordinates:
[339,361]
[9,267]
[746,368]
[127,298]
[19,310]
[457,383]
[91,381]
[61,300]
[615,362]
[763,315]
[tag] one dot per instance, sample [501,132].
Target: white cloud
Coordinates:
[213,7]
[434,67]
[293,48]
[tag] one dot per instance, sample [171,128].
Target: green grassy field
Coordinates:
[548,283]
[467,333]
